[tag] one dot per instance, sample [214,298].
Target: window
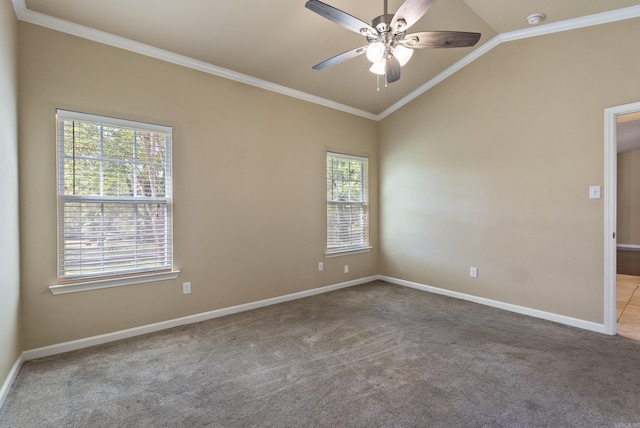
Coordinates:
[114,198]
[347,203]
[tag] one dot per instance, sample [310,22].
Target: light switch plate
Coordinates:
[594,192]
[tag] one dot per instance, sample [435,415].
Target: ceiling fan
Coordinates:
[389,46]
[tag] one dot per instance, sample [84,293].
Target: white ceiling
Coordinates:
[279,41]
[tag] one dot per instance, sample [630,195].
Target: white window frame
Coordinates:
[331,250]
[105,279]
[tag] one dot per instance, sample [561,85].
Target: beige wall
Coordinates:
[628,222]
[492,167]
[249,182]
[9,243]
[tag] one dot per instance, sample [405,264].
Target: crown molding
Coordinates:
[541,30]
[37,18]
[475,54]
[20,7]
[109,39]
[573,24]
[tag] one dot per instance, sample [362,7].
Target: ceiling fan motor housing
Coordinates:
[382,23]
[385,35]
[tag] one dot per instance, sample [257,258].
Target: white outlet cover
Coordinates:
[186,288]
[594,192]
[320,267]
[346,268]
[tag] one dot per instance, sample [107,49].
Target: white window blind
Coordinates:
[114,197]
[347,203]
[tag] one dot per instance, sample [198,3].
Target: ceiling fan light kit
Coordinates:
[403,54]
[378,68]
[389,46]
[376,52]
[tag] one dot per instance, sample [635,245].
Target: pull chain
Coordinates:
[378,76]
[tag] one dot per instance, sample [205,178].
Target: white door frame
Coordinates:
[610,204]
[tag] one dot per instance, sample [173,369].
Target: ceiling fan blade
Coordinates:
[392,69]
[440,39]
[341,58]
[409,13]
[339,17]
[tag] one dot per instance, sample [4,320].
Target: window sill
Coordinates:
[112,282]
[347,252]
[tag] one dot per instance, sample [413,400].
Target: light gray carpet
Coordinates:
[376,355]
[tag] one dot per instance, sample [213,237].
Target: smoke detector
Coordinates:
[535,18]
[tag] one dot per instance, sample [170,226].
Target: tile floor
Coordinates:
[628,305]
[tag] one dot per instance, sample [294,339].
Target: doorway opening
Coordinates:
[612,309]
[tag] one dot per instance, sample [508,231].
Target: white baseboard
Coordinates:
[549,316]
[629,246]
[13,373]
[150,328]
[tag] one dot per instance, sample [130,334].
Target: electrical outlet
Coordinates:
[320,266]
[346,268]
[186,288]
[473,272]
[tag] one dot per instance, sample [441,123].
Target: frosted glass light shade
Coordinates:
[379,67]
[375,51]
[402,54]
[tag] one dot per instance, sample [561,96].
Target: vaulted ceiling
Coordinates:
[279,41]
